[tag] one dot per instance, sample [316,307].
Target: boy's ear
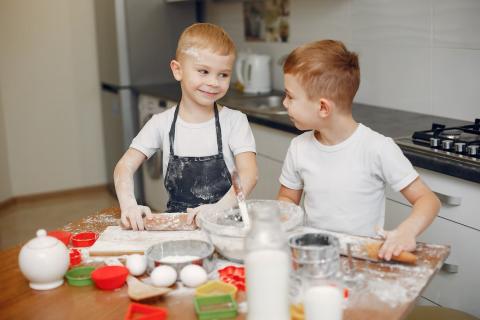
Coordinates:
[176,69]
[324,108]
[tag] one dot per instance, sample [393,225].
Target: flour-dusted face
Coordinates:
[302,110]
[204,75]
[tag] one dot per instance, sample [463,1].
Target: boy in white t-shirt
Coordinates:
[343,166]
[202,142]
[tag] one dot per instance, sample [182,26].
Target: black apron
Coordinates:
[192,181]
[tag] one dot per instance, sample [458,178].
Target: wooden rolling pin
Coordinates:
[373,248]
[176,221]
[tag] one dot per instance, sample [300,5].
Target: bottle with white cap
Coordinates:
[267,264]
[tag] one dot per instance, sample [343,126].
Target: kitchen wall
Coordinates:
[415,55]
[51,125]
[5,189]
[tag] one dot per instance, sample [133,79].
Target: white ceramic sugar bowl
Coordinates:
[44,261]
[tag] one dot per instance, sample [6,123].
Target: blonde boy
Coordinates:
[202,142]
[343,166]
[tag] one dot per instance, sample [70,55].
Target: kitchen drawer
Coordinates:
[271,143]
[460,289]
[459,197]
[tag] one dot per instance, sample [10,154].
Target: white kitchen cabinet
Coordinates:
[459,197]
[272,143]
[460,287]
[268,172]
[272,146]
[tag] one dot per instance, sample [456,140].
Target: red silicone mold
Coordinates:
[61,235]
[140,311]
[75,257]
[233,275]
[84,239]
[110,277]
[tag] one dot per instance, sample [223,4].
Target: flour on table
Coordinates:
[399,289]
[115,239]
[92,223]
[181,290]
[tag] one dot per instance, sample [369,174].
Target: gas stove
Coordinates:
[458,144]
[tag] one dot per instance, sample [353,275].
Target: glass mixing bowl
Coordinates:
[227,232]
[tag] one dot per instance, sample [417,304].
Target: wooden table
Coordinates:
[19,301]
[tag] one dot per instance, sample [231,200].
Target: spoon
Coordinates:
[237,187]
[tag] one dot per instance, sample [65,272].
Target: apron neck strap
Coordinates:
[171,134]
[219,129]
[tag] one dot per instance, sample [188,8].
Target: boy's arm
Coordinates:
[246,165]
[289,195]
[131,212]
[425,207]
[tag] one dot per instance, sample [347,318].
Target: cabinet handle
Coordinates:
[449,200]
[450,268]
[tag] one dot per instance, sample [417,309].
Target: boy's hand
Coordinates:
[133,216]
[192,212]
[396,241]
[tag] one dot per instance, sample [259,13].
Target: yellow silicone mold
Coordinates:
[215,288]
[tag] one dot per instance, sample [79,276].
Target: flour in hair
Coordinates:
[192,52]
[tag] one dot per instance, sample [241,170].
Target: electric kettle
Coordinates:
[253,72]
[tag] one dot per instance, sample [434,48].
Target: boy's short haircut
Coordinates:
[325,69]
[205,36]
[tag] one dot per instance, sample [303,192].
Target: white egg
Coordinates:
[163,276]
[193,275]
[136,264]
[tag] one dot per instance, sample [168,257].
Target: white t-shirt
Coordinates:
[344,184]
[196,139]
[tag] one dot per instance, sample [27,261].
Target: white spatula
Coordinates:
[237,187]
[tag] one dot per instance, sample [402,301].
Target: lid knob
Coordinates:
[41,233]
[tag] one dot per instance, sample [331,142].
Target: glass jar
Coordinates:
[267,264]
[316,266]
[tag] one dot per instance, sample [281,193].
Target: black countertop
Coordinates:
[389,122]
